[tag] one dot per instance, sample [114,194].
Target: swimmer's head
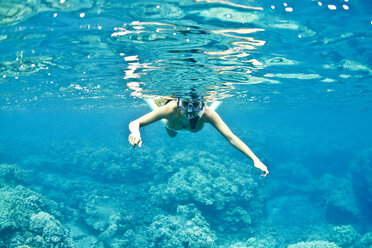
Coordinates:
[192,107]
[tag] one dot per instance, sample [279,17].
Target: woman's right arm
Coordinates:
[158,114]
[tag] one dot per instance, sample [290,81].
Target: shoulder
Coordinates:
[171,106]
[210,115]
[170,109]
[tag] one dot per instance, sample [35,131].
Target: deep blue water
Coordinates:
[295,81]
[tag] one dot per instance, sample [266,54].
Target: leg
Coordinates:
[171,133]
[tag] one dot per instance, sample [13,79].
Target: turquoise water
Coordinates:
[295,81]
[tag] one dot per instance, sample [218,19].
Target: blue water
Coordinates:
[295,81]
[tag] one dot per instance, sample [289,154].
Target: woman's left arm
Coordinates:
[213,118]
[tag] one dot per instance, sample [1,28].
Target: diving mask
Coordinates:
[190,106]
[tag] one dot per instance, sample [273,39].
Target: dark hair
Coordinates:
[193,96]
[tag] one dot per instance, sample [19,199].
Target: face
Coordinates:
[190,108]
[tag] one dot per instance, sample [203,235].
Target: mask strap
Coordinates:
[201,112]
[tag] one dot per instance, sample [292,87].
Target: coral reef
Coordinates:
[51,230]
[268,242]
[20,211]
[344,236]
[187,228]
[18,204]
[361,171]
[314,244]
[338,193]
[215,189]
[12,174]
[113,164]
[115,197]
[99,212]
[364,241]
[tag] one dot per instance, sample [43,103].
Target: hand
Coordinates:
[259,165]
[135,139]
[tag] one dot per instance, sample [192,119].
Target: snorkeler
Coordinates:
[190,115]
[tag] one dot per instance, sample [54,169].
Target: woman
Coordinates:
[190,115]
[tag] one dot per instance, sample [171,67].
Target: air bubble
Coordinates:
[332,7]
[289,9]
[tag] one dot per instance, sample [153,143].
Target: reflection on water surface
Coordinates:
[97,53]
